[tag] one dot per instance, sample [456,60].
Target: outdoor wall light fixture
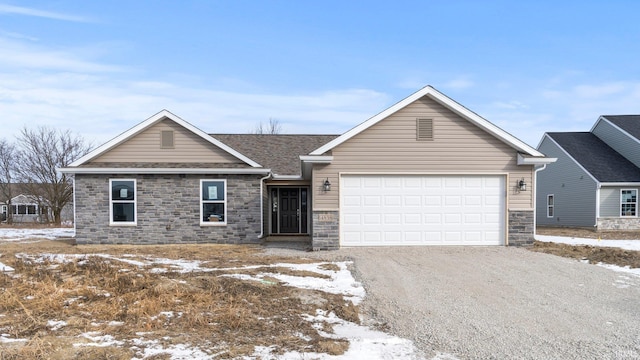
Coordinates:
[522,185]
[326,186]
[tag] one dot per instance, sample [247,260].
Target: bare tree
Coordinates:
[41,152]
[7,173]
[272,128]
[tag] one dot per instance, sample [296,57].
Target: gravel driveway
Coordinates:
[498,302]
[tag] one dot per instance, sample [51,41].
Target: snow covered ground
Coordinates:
[15,234]
[622,244]
[365,343]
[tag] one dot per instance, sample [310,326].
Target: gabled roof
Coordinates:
[164,114]
[596,157]
[628,123]
[445,101]
[281,152]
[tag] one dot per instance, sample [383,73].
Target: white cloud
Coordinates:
[19,10]
[458,84]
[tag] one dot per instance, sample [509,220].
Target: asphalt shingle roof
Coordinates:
[598,158]
[280,153]
[628,123]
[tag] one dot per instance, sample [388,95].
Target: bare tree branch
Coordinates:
[272,128]
[41,152]
[7,174]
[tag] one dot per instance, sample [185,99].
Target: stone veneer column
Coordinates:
[326,229]
[521,227]
[168,210]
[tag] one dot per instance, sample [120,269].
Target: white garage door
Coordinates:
[387,210]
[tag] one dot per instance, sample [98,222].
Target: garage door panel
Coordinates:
[378,210]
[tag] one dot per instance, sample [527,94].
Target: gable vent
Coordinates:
[424,129]
[166,139]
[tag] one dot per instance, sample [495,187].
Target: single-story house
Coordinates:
[596,179]
[426,171]
[26,207]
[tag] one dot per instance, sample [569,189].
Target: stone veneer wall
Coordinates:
[618,223]
[326,229]
[521,227]
[168,210]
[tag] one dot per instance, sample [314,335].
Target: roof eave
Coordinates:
[112,170]
[522,160]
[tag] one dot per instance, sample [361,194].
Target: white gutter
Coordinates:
[262,205]
[111,170]
[619,184]
[535,160]
[287,177]
[320,159]
[535,205]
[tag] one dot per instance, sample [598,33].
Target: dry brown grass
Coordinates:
[594,254]
[219,314]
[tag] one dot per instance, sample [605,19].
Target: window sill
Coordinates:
[123,224]
[213,223]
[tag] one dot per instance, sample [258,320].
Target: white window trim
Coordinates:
[224,202]
[135,204]
[551,196]
[620,204]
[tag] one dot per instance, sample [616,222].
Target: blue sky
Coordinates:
[100,67]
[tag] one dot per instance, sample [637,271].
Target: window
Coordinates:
[122,202]
[213,202]
[628,202]
[4,209]
[424,129]
[550,205]
[166,139]
[31,209]
[22,209]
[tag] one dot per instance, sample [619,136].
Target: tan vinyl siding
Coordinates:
[390,146]
[187,147]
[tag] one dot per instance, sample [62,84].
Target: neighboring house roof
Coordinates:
[448,103]
[279,152]
[164,114]
[628,123]
[596,157]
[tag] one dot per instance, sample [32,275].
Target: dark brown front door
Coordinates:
[289,210]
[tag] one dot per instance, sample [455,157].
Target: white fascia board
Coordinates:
[535,160]
[318,159]
[637,183]
[110,170]
[623,131]
[447,102]
[286,177]
[600,118]
[149,122]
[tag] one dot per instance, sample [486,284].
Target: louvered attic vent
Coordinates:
[166,139]
[424,129]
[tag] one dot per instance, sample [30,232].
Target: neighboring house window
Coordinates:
[22,209]
[550,205]
[4,209]
[213,202]
[628,202]
[31,209]
[122,201]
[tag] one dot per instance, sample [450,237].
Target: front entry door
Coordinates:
[289,210]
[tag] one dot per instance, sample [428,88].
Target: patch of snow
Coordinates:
[16,234]
[625,269]
[175,352]
[622,244]
[56,324]
[5,268]
[6,338]
[98,340]
[364,343]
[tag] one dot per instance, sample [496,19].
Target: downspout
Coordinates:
[535,197]
[598,186]
[74,206]
[262,180]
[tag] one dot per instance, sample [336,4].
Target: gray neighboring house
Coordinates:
[29,208]
[596,179]
[425,171]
